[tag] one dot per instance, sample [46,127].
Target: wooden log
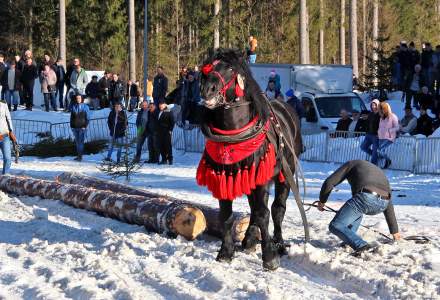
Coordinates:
[214,228]
[157,214]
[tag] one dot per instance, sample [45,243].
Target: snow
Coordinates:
[49,250]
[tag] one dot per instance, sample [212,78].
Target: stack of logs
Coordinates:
[131,205]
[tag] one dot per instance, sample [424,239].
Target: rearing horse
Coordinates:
[251,143]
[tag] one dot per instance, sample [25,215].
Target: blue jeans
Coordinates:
[5,146]
[79,135]
[12,97]
[348,219]
[118,142]
[252,58]
[383,144]
[371,141]
[50,97]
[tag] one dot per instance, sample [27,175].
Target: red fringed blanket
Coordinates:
[229,186]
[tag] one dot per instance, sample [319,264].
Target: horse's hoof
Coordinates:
[282,249]
[273,264]
[249,249]
[223,258]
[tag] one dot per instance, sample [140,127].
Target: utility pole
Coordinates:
[353,38]
[342,34]
[62,45]
[145,48]
[131,41]
[375,27]
[321,32]
[303,44]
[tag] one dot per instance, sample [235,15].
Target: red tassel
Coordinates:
[269,169]
[208,175]
[230,187]
[261,174]
[281,177]
[238,91]
[272,157]
[245,181]
[238,191]
[216,186]
[201,172]
[252,175]
[223,189]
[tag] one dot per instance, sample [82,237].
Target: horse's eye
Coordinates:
[213,88]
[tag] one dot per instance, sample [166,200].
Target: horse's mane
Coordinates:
[253,93]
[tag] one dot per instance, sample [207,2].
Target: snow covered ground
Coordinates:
[52,251]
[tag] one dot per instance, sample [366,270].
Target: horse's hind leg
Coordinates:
[226,219]
[278,211]
[271,259]
[251,237]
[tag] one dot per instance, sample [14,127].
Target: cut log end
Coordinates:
[189,222]
[239,228]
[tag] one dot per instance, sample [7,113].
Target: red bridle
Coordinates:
[209,68]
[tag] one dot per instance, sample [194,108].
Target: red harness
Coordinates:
[209,68]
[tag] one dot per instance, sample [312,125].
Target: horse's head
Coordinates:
[223,79]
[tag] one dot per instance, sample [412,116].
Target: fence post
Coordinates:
[326,154]
[416,154]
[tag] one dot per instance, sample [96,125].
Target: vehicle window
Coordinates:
[309,110]
[330,107]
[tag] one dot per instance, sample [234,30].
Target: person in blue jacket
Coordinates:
[79,120]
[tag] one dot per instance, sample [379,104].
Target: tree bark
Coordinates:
[155,213]
[31,25]
[375,27]
[303,33]
[321,32]
[342,34]
[132,41]
[241,221]
[217,24]
[364,36]
[62,45]
[177,36]
[353,38]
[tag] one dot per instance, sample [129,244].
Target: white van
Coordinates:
[323,90]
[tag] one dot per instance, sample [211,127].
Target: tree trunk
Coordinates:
[190,39]
[303,33]
[375,27]
[62,41]
[364,36]
[241,221]
[217,24]
[177,36]
[353,38]
[321,32]
[342,34]
[132,41]
[156,213]
[31,25]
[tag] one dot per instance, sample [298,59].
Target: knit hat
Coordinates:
[290,93]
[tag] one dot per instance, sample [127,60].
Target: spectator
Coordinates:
[133,93]
[61,75]
[362,124]
[153,134]
[414,85]
[116,90]
[271,92]
[79,120]
[78,78]
[47,60]
[28,76]
[344,122]
[69,93]
[127,93]
[371,141]
[164,129]
[182,87]
[3,69]
[424,123]
[149,89]
[388,129]
[141,125]
[48,81]
[192,109]
[294,102]
[425,98]
[275,77]
[6,135]
[414,55]
[117,125]
[396,70]
[252,50]
[11,82]
[408,124]
[92,92]
[160,86]
[436,68]
[355,115]
[426,62]
[406,62]
[104,83]
[436,122]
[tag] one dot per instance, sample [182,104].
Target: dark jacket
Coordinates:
[29,74]
[134,91]
[152,123]
[426,60]
[373,123]
[4,81]
[79,115]
[92,89]
[297,106]
[67,75]
[435,124]
[405,60]
[414,58]
[424,125]
[3,68]
[61,74]
[361,126]
[193,91]
[165,122]
[103,85]
[139,117]
[362,174]
[160,87]
[426,100]
[119,127]
[116,89]
[343,125]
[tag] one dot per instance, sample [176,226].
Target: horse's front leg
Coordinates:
[226,219]
[251,237]
[271,258]
[278,211]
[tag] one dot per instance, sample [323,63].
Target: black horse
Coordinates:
[251,143]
